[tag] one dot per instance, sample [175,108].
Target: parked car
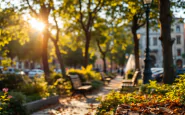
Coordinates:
[35,72]
[1,69]
[20,73]
[180,72]
[26,71]
[157,74]
[11,70]
[58,70]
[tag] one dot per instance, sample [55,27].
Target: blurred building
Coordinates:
[177,33]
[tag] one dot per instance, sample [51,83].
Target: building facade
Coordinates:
[156,55]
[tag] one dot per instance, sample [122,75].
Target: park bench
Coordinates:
[78,86]
[131,82]
[104,77]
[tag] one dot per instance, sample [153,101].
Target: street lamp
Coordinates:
[147,69]
[126,55]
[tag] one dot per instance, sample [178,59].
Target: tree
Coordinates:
[12,27]
[43,15]
[133,14]
[46,10]
[109,35]
[73,58]
[84,17]
[166,40]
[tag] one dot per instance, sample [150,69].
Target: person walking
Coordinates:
[122,72]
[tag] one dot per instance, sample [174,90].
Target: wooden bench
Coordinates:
[104,77]
[131,82]
[78,86]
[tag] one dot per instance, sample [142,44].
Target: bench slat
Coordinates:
[78,85]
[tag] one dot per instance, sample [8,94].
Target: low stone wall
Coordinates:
[38,104]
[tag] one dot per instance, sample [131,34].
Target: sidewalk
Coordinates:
[81,106]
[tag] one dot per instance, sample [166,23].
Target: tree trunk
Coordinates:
[104,64]
[60,59]
[136,47]
[167,42]
[86,58]
[111,63]
[45,56]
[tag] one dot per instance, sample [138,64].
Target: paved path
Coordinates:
[81,106]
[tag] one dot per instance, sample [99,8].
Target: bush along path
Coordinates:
[78,105]
[150,99]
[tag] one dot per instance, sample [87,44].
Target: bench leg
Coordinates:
[84,95]
[73,94]
[79,92]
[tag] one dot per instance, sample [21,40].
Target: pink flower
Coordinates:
[9,96]
[5,89]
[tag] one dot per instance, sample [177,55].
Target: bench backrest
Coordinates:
[75,80]
[134,78]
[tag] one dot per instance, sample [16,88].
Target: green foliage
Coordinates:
[111,75]
[109,104]
[4,100]
[130,74]
[38,86]
[63,86]
[96,84]
[12,104]
[73,57]
[154,88]
[33,97]
[19,96]
[177,90]
[54,77]
[12,26]
[86,74]
[11,81]
[60,85]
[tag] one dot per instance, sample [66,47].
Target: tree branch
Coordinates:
[32,8]
[57,27]
[51,37]
[99,47]
[81,15]
[141,25]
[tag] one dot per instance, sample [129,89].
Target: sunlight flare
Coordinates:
[54,32]
[36,24]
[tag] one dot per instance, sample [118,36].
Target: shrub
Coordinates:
[33,97]
[63,86]
[11,81]
[19,96]
[130,73]
[177,90]
[11,105]
[38,86]
[86,74]
[109,104]
[55,77]
[154,88]
[96,84]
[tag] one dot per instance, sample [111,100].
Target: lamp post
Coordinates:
[147,69]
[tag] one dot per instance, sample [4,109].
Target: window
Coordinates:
[154,41]
[178,39]
[178,52]
[178,28]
